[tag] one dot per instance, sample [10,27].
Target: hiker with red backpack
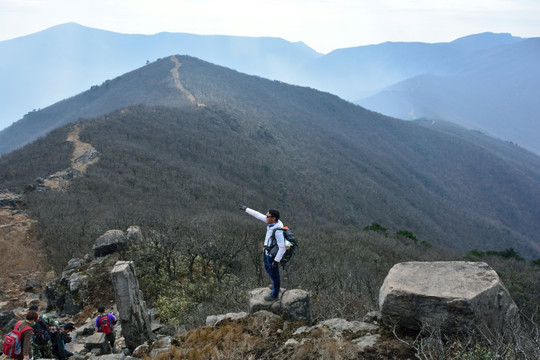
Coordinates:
[105,324]
[17,344]
[271,258]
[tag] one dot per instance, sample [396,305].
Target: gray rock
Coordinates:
[292,305]
[367,341]
[213,320]
[141,350]
[337,326]
[110,242]
[134,234]
[450,295]
[96,343]
[86,156]
[265,314]
[7,318]
[74,263]
[70,306]
[372,317]
[133,313]
[77,281]
[10,199]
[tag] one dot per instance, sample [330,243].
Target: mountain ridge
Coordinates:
[59,66]
[356,165]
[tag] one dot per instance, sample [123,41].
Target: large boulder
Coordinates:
[116,240]
[292,305]
[110,242]
[134,315]
[451,295]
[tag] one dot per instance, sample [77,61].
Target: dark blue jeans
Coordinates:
[273,273]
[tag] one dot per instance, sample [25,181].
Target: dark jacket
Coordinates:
[59,341]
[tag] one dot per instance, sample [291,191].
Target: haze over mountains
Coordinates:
[487,81]
[190,137]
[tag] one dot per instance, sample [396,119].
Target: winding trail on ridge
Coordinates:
[178,83]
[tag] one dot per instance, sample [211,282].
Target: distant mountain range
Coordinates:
[181,138]
[494,91]
[486,81]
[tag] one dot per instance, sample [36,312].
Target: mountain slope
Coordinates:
[228,137]
[495,92]
[358,72]
[43,68]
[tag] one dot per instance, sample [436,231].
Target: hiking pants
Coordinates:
[42,351]
[273,273]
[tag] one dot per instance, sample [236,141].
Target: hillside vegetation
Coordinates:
[483,81]
[362,191]
[316,157]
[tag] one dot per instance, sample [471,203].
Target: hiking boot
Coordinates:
[270,298]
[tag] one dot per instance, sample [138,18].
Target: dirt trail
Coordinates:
[83,156]
[178,83]
[24,269]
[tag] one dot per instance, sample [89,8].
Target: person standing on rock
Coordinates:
[272,255]
[105,324]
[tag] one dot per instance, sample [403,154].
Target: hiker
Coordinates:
[41,339]
[26,336]
[59,341]
[105,324]
[271,262]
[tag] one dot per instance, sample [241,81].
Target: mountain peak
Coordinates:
[485,40]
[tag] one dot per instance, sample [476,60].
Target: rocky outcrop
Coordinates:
[82,283]
[116,240]
[292,305]
[213,320]
[7,320]
[450,295]
[362,334]
[85,280]
[10,199]
[131,306]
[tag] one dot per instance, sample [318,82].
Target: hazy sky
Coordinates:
[324,25]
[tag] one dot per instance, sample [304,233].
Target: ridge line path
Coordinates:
[178,83]
[84,155]
[24,269]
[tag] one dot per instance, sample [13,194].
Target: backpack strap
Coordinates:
[285,228]
[25,329]
[18,324]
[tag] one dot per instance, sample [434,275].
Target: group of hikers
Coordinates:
[41,337]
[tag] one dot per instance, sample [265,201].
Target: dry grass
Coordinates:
[23,260]
[265,337]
